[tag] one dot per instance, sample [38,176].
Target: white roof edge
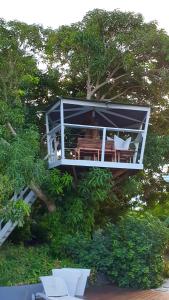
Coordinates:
[106,104]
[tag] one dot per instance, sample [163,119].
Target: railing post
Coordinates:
[62,130]
[144,137]
[103,143]
[47,136]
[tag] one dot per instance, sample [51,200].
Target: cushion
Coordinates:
[121,144]
[71,278]
[81,285]
[126,144]
[118,143]
[54,286]
[109,138]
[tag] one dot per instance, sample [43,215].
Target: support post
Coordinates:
[103,143]
[62,131]
[48,137]
[144,137]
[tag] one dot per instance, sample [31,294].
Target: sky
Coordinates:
[53,13]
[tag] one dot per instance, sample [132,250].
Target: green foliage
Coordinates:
[16,211]
[166,268]
[138,244]
[129,253]
[22,165]
[97,185]
[48,227]
[93,57]
[78,215]
[27,263]
[156,154]
[6,189]
[22,234]
[56,182]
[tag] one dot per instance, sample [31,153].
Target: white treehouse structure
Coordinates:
[87,133]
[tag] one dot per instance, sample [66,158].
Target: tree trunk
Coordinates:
[49,203]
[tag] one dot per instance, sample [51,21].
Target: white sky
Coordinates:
[53,13]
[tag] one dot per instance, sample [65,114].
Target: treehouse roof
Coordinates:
[105,113]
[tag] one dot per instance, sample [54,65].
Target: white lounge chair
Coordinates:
[76,279]
[71,278]
[54,288]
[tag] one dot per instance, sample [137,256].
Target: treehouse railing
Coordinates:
[86,142]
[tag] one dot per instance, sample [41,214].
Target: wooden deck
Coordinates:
[115,293]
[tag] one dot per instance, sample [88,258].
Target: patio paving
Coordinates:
[114,293]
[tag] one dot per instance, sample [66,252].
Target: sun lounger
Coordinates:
[75,279]
[55,288]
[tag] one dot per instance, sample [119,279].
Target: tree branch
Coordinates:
[88,84]
[40,194]
[122,93]
[109,80]
[12,130]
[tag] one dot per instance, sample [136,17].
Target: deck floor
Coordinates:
[114,293]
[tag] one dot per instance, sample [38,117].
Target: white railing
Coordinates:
[56,136]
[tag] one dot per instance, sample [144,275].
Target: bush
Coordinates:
[48,227]
[20,265]
[166,268]
[129,253]
[23,265]
[138,245]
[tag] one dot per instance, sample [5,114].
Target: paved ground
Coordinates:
[114,293]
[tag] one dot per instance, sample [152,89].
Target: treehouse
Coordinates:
[87,133]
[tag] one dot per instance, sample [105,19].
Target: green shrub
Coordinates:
[129,253]
[138,245]
[48,227]
[20,265]
[23,265]
[166,268]
[22,234]
[15,211]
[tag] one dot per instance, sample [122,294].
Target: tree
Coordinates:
[119,57]
[108,55]
[113,55]
[21,150]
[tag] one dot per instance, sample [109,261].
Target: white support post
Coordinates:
[144,137]
[48,137]
[62,131]
[103,143]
